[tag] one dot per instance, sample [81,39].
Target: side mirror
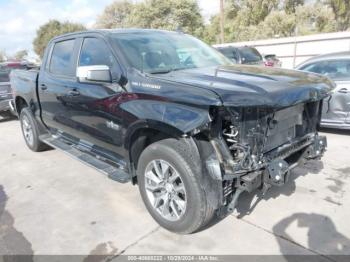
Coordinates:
[95,73]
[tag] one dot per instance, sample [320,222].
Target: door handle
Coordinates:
[43,87]
[73,92]
[343,90]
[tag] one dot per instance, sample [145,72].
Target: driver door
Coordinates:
[93,106]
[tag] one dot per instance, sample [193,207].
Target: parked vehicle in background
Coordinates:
[167,112]
[6,100]
[336,66]
[272,61]
[242,55]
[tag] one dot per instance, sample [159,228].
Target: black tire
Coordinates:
[198,211]
[34,144]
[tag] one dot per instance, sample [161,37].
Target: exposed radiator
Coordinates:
[283,127]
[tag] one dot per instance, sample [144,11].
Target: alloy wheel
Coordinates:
[27,130]
[165,190]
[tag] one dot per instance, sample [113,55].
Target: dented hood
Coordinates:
[241,85]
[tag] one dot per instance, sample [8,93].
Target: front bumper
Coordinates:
[278,170]
[275,171]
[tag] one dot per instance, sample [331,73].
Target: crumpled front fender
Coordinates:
[178,116]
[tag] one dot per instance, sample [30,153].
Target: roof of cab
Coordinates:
[113,31]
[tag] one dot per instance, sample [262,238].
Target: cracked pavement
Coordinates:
[52,204]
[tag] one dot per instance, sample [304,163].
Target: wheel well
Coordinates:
[20,104]
[140,140]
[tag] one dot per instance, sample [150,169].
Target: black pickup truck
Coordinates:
[167,112]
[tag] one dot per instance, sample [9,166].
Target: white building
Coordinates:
[294,50]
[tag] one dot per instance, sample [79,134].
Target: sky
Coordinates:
[19,19]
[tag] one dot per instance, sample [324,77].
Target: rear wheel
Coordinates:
[171,189]
[31,132]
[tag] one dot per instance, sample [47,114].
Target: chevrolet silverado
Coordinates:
[174,116]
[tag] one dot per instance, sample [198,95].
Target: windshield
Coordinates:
[334,69]
[249,55]
[162,52]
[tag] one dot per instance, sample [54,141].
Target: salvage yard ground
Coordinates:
[52,204]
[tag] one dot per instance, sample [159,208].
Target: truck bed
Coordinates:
[25,76]
[25,82]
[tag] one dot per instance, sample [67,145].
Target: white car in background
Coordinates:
[336,109]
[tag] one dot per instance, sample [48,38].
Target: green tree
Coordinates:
[277,24]
[21,54]
[242,19]
[51,29]
[315,18]
[252,12]
[290,6]
[268,19]
[169,15]
[212,30]
[308,19]
[341,10]
[115,15]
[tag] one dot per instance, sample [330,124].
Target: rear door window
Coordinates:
[61,62]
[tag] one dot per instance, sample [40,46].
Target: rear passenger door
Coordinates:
[55,80]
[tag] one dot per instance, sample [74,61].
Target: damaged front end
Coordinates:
[257,147]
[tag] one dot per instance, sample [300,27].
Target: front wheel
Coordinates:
[171,189]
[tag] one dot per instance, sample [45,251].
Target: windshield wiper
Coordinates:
[161,71]
[168,70]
